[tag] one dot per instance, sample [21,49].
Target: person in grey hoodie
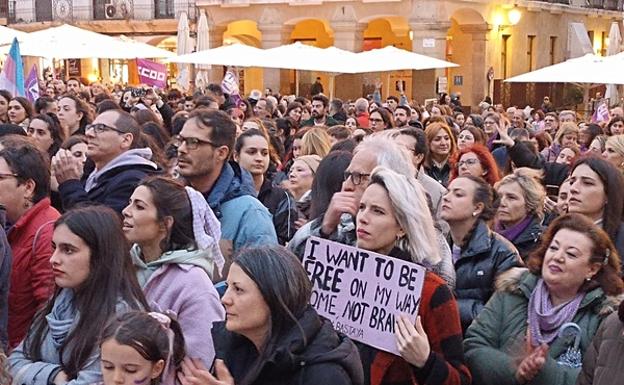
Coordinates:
[176,252]
[119,166]
[95,280]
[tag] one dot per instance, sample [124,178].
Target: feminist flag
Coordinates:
[32,85]
[12,75]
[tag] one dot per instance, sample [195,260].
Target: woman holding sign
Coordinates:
[539,323]
[390,224]
[271,334]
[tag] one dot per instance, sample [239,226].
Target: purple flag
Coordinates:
[31,86]
[602,113]
[152,73]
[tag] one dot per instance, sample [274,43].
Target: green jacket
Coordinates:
[495,342]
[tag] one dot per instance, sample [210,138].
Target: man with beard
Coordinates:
[319,117]
[402,116]
[204,147]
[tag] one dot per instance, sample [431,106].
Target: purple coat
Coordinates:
[188,291]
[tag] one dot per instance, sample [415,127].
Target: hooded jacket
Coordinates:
[179,281]
[244,220]
[32,282]
[327,358]
[603,358]
[113,185]
[495,341]
[482,259]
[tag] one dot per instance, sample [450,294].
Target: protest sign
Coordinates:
[362,292]
[151,73]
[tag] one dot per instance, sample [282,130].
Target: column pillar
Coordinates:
[348,35]
[429,38]
[215,39]
[478,73]
[275,35]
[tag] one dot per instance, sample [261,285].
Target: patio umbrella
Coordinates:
[69,42]
[183,47]
[590,69]
[7,35]
[391,58]
[238,55]
[201,77]
[615,40]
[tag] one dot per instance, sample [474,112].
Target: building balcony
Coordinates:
[608,5]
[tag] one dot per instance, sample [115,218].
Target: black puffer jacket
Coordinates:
[328,358]
[486,255]
[282,207]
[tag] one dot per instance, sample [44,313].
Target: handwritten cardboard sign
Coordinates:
[362,292]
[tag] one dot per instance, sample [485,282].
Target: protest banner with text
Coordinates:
[362,292]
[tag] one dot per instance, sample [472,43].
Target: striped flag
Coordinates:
[12,75]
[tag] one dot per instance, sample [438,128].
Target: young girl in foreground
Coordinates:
[141,348]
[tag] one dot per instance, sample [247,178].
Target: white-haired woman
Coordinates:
[614,151]
[393,219]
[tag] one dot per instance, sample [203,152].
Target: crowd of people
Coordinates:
[153,237]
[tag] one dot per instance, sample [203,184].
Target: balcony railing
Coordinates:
[609,5]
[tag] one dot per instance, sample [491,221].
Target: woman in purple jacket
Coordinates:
[176,253]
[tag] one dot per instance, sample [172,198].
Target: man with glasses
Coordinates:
[112,145]
[204,147]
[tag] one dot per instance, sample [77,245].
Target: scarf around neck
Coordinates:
[511,233]
[546,319]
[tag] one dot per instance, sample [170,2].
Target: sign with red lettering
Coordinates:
[152,73]
[362,292]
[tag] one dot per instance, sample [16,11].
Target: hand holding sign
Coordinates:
[412,342]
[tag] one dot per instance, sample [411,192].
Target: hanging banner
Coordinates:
[152,73]
[361,292]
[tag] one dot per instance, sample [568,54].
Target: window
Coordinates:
[553,47]
[531,52]
[164,9]
[504,48]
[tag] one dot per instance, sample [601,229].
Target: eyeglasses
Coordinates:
[99,128]
[468,162]
[356,177]
[191,143]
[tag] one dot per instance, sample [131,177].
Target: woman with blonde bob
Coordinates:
[393,219]
[614,151]
[521,209]
[567,136]
[315,142]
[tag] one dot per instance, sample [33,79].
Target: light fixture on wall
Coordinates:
[514,15]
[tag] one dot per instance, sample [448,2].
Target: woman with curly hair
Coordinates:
[475,160]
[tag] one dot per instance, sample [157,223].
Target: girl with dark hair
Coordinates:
[74,115]
[175,250]
[271,334]
[5,98]
[479,254]
[94,278]
[294,112]
[20,111]
[151,344]
[470,135]
[615,126]
[252,152]
[587,133]
[539,324]
[596,188]
[380,119]
[47,132]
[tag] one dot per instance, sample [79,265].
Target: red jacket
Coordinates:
[32,282]
[362,119]
[445,365]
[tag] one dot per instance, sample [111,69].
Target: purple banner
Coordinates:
[362,292]
[31,85]
[151,73]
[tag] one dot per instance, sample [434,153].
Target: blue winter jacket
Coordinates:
[244,220]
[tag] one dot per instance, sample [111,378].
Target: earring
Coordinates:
[474,214]
[588,279]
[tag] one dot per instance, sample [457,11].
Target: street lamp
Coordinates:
[514,16]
